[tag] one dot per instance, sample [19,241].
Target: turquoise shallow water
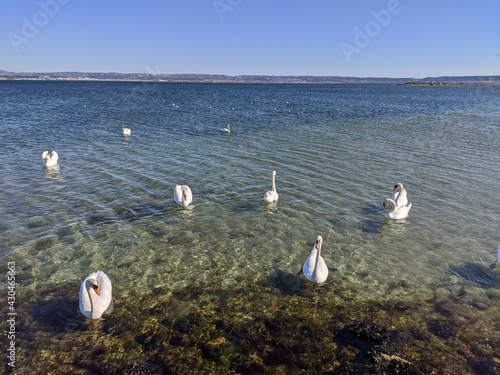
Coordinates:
[337,150]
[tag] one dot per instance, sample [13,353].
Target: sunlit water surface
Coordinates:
[337,150]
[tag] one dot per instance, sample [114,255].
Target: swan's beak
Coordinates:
[96,290]
[383,204]
[317,244]
[395,187]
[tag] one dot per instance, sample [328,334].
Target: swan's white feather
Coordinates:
[314,267]
[397,213]
[183,195]
[50,160]
[271,195]
[400,197]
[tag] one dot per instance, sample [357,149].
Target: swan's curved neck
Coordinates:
[93,301]
[393,204]
[273,186]
[318,253]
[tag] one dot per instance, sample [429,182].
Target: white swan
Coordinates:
[314,267]
[50,160]
[126,131]
[228,129]
[400,196]
[272,195]
[397,212]
[95,295]
[183,195]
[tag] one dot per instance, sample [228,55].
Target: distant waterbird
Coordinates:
[183,195]
[50,160]
[271,195]
[400,196]
[397,212]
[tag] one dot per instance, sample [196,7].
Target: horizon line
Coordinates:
[245,75]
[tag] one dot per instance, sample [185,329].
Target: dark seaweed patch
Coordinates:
[256,328]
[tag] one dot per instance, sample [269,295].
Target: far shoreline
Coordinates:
[476,80]
[284,82]
[453,84]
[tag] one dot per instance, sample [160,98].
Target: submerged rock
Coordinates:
[442,328]
[254,330]
[373,350]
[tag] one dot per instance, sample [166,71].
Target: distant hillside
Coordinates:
[456,81]
[218,78]
[464,79]
[196,78]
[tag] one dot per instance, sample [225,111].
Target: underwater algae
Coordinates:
[263,328]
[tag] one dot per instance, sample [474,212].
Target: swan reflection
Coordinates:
[52,172]
[395,226]
[271,206]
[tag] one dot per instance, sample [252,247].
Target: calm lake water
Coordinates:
[191,286]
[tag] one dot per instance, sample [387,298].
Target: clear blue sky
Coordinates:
[378,38]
